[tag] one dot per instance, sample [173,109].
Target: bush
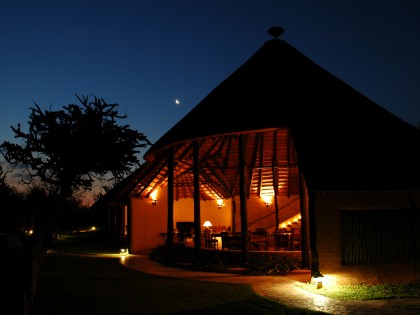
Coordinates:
[211,260]
[273,264]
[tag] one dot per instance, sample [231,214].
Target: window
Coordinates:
[376,236]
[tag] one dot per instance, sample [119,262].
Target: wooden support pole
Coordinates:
[197,216]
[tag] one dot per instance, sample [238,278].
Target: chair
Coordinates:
[259,239]
[181,237]
[296,239]
[178,239]
[231,241]
[283,239]
[225,240]
[209,241]
[164,236]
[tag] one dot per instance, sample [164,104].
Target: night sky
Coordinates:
[144,55]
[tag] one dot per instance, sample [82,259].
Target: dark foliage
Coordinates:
[65,151]
[225,261]
[75,145]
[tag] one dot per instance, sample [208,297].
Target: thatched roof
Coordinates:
[296,117]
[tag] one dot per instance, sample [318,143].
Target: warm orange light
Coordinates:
[267,199]
[153,196]
[207,224]
[324,281]
[219,203]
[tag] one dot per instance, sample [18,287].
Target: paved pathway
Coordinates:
[281,289]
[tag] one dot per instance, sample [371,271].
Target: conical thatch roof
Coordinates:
[343,140]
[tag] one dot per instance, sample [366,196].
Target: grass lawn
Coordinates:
[70,284]
[367,292]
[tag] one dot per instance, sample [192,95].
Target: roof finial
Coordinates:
[275,31]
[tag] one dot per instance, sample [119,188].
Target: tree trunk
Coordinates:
[21,259]
[13,258]
[33,265]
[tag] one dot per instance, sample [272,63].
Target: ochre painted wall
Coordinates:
[147,222]
[150,220]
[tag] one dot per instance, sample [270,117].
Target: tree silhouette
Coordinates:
[67,150]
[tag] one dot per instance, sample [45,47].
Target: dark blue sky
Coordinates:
[145,54]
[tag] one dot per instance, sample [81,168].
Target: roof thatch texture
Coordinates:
[295,117]
[343,140]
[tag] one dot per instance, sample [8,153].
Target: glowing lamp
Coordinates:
[207,224]
[267,199]
[317,279]
[219,203]
[153,195]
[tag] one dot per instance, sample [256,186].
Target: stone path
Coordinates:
[281,289]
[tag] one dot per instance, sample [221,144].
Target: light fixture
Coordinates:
[267,199]
[207,224]
[219,203]
[153,195]
[317,279]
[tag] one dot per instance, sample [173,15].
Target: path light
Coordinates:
[123,254]
[317,279]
